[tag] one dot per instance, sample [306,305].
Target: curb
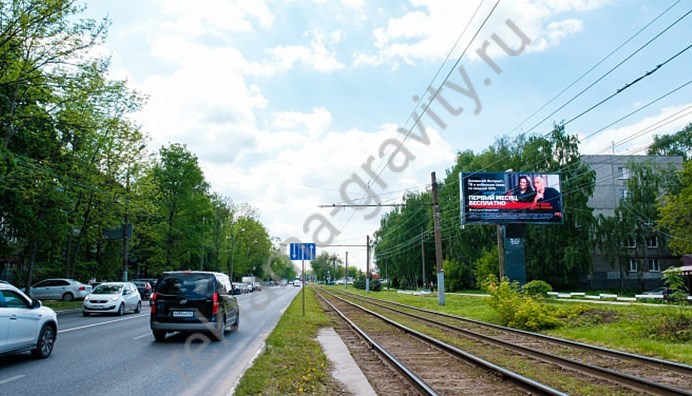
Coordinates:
[68,312]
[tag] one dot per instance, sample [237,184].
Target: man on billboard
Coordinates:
[547,195]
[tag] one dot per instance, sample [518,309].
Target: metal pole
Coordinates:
[422,254]
[438,244]
[346,277]
[303,291]
[367,264]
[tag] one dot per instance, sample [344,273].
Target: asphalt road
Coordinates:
[112,355]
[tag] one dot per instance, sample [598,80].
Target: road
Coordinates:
[113,355]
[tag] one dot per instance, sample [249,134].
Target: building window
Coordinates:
[623,173]
[652,242]
[630,242]
[623,194]
[654,266]
[633,265]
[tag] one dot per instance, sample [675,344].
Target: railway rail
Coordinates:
[564,367]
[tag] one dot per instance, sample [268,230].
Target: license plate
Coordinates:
[183,314]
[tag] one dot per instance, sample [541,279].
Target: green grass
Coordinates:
[293,361]
[58,305]
[663,331]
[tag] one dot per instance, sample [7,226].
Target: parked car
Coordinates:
[60,289]
[25,323]
[257,286]
[144,288]
[193,301]
[113,297]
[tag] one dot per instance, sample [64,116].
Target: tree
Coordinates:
[679,143]
[181,197]
[676,215]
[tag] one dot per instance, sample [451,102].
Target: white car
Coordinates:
[25,325]
[60,289]
[113,297]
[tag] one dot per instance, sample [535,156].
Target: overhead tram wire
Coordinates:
[619,91]
[432,98]
[369,183]
[593,67]
[611,70]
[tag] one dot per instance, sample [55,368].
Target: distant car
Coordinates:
[144,288]
[297,283]
[257,286]
[113,297]
[26,325]
[60,289]
[193,301]
[656,291]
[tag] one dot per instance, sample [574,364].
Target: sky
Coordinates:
[295,106]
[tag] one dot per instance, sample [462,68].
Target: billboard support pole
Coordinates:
[438,244]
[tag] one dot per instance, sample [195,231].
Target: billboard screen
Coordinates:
[510,197]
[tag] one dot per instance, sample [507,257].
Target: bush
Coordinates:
[518,310]
[537,288]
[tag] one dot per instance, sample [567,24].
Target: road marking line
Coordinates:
[16,377]
[142,336]
[100,324]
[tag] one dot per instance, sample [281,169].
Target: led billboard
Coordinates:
[510,197]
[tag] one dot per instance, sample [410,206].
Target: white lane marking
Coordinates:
[16,377]
[100,323]
[142,336]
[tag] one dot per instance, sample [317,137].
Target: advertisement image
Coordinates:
[510,197]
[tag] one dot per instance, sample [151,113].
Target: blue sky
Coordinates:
[287,103]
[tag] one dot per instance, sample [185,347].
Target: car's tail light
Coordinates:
[82,288]
[153,304]
[215,303]
[148,287]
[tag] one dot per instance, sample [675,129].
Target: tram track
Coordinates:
[573,367]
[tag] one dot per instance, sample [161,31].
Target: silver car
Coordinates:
[60,289]
[25,325]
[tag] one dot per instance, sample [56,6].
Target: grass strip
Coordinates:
[293,362]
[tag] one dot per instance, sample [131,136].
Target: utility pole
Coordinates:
[422,254]
[367,264]
[438,244]
[346,276]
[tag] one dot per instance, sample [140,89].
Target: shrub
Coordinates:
[537,288]
[516,309]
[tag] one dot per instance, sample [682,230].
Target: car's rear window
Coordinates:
[192,285]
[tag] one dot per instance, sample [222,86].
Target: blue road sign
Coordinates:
[302,251]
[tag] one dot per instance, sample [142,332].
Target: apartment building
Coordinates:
[634,271]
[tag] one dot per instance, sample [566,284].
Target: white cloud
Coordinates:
[320,55]
[636,137]
[426,32]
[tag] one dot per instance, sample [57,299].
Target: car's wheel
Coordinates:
[121,310]
[68,296]
[139,307]
[85,313]
[159,335]
[237,322]
[45,343]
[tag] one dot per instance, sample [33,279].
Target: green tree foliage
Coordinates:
[402,231]
[679,143]
[632,223]
[676,214]
[182,202]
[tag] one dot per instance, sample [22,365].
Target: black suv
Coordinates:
[193,301]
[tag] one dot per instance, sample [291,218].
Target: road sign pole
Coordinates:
[303,291]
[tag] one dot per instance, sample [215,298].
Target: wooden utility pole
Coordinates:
[438,244]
